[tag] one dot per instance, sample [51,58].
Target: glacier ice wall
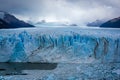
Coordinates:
[60,45]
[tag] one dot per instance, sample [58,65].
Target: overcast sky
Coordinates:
[75,11]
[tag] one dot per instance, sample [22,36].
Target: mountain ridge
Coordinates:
[113,23]
[96,23]
[12,21]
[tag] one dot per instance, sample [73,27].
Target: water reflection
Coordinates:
[17,68]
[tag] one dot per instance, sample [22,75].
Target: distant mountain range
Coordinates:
[43,23]
[9,21]
[114,23]
[96,23]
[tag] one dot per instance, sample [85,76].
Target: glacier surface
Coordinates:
[63,44]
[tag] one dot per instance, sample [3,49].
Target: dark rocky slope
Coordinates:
[114,23]
[11,21]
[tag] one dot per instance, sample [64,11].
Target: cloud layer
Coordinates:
[75,11]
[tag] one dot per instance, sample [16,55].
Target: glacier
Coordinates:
[60,44]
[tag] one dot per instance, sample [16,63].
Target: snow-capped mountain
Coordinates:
[114,23]
[12,21]
[1,15]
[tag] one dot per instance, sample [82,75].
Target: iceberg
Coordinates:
[62,44]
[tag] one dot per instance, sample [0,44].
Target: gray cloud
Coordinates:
[75,11]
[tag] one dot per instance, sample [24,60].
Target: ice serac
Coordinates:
[60,45]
